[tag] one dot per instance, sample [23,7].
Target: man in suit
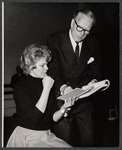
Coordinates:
[76,62]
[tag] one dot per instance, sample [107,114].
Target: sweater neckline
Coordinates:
[34,79]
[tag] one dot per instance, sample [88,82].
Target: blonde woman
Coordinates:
[35,102]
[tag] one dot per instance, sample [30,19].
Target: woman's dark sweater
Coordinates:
[26,95]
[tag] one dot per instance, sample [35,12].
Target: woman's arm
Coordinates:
[66,107]
[47,85]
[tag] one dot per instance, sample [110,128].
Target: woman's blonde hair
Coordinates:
[31,55]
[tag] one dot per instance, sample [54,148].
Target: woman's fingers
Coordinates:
[69,102]
[69,108]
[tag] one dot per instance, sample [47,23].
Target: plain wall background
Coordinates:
[27,23]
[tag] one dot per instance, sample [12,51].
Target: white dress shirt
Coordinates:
[73,42]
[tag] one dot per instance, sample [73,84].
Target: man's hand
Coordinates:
[92,82]
[67,89]
[89,84]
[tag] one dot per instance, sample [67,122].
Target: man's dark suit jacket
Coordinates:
[64,67]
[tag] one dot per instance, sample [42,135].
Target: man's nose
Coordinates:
[46,67]
[82,33]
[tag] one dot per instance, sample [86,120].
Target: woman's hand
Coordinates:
[64,109]
[68,103]
[47,82]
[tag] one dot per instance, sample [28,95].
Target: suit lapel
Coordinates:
[85,52]
[69,52]
[69,55]
[67,47]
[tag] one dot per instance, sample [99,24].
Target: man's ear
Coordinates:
[72,21]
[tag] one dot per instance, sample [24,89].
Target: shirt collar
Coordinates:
[73,41]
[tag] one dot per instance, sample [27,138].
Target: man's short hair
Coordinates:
[86,12]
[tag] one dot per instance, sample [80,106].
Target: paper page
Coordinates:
[75,93]
[103,85]
[87,91]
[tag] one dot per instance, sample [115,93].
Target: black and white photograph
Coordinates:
[61,75]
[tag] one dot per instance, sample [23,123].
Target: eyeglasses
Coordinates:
[80,29]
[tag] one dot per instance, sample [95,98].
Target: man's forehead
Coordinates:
[84,20]
[82,16]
